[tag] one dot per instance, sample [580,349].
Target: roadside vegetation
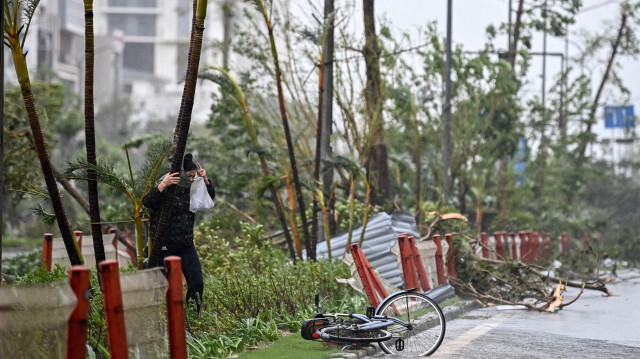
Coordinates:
[388,146]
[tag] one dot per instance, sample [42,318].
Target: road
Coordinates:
[595,326]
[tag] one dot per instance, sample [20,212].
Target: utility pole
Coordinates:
[446,126]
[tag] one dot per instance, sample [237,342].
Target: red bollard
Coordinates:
[528,256]
[78,235]
[410,276]
[564,242]
[499,248]
[505,241]
[537,245]
[524,246]
[439,260]
[483,241]
[514,249]
[419,265]
[78,322]
[47,250]
[175,308]
[369,276]
[451,262]
[113,308]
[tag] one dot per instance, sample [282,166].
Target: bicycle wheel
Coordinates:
[344,334]
[423,325]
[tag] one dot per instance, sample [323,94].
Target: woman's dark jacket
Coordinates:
[179,231]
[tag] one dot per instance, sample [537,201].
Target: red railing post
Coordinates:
[499,248]
[47,249]
[175,308]
[364,275]
[78,322]
[523,245]
[537,245]
[528,256]
[408,271]
[113,308]
[451,260]
[419,265]
[506,245]
[439,260]
[483,242]
[514,246]
[564,242]
[78,235]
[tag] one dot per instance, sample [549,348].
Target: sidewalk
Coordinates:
[450,313]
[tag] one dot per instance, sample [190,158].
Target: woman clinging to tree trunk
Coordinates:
[180,231]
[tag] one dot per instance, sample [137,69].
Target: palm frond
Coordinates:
[48,219]
[27,15]
[105,173]
[34,190]
[158,150]
[268,181]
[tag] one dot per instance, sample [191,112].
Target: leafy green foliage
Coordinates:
[253,291]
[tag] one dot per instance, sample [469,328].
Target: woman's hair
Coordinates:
[188,164]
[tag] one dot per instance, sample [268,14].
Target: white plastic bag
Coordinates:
[200,199]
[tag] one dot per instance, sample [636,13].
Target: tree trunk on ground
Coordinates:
[377,164]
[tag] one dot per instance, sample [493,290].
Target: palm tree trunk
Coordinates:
[75,258]
[90,134]
[182,128]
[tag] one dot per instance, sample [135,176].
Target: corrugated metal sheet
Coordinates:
[380,236]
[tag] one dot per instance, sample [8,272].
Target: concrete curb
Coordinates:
[450,313]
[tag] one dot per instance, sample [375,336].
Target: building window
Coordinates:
[133,3]
[133,24]
[139,56]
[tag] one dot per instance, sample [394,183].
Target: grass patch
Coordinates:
[292,347]
[26,243]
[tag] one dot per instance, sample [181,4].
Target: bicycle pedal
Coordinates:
[371,312]
[400,345]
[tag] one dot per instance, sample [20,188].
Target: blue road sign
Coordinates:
[619,116]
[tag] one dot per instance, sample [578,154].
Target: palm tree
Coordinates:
[14,39]
[238,95]
[134,187]
[285,123]
[90,133]
[184,121]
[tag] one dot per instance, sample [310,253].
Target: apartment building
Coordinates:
[141,49]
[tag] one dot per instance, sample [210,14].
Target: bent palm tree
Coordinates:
[14,39]
[260,4]
[182,127]
[238,95]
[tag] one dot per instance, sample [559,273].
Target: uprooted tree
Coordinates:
[537,286]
